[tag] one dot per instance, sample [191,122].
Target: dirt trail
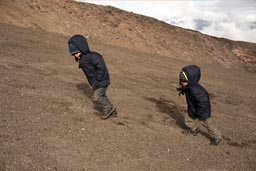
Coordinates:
[47,120]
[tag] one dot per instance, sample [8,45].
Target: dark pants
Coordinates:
[100,98]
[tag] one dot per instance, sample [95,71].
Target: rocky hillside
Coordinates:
[124,29]
[48,120]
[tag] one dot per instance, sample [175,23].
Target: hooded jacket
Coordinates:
[198,102]
[92,63]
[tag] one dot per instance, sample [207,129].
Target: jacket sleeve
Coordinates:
[202,104]
[100,68]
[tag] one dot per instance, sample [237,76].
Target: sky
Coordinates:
[232,19]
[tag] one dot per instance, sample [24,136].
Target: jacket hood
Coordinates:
[193,74]
[80,42]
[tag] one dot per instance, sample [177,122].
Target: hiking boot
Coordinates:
[191,132]
[216,142]
[106,115]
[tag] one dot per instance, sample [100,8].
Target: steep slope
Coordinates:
[117,27]
[47,120]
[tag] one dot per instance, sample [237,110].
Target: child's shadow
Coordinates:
[174,111]
[171,109]
[87,90]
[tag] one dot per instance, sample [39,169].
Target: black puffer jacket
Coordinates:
[92,63]
[198,101]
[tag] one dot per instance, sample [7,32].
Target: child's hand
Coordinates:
[180,90]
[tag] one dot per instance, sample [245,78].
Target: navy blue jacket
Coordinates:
[198,101]
[92,63]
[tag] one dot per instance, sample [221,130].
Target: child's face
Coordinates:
[184,84]
[77,55]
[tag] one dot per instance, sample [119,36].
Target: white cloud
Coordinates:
[234,20]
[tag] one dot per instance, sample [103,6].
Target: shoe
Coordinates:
[106,115]
[216,142]
[191,132]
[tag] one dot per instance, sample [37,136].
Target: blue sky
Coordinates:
[234,19]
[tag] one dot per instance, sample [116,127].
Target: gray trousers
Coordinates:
[100,99]
[212,130]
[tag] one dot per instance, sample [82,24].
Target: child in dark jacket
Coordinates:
[198,104]
[94,68]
